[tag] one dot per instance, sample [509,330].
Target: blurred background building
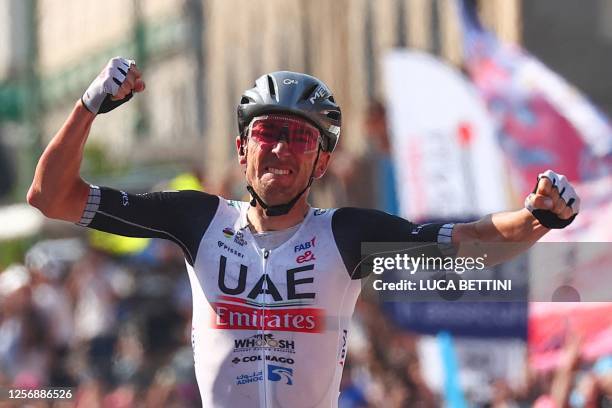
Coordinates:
[197,57]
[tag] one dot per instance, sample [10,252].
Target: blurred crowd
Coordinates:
[383,369]
[117,330]
[116,326]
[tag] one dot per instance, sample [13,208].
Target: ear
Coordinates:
[241,148]
[322,164]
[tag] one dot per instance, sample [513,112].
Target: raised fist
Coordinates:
[554,201]
[114,86]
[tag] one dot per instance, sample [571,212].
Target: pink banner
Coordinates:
[543,122]
[551,324]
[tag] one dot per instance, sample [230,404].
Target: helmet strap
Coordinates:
[281,209]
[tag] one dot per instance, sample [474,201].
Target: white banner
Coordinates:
[448,164]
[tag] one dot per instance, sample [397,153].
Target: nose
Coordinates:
[281,148]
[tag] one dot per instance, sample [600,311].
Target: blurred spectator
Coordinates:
[379,149]
[24,348]
[93,296]
[368,180]
[48,264]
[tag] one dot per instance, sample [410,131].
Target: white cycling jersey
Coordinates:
[270,328]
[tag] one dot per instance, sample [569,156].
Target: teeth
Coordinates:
[278,171]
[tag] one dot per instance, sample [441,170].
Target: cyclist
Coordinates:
[274,282]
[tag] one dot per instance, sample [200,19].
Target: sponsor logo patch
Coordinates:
[229,249]
[259,357]
[239,238]
[295,284]
[264,342]
[235,314]
[307,257]
[305,245]
[228,232]
[248,378]
[279,373]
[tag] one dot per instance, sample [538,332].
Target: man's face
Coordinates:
[276,165]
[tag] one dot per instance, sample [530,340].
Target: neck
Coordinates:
[261,222]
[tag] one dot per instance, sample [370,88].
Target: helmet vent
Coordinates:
[244,100]
[331,98]
[271,87]
[334,115]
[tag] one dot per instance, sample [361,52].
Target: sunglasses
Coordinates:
[300,136]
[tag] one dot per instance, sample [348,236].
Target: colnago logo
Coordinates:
[236,314]
[259,357]
[264,341]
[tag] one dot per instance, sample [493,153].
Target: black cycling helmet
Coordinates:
[299,94]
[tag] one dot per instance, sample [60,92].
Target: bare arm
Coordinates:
[501,236]
[565,374]
[516,230]
[514,226]
[58,190]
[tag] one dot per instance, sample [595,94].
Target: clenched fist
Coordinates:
[114,86]
[554,201]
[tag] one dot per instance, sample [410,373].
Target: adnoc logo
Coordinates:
[278,373]
[247,378]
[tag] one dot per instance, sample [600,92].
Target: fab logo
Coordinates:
[305,245]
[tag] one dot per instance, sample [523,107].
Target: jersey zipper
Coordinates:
[263,396]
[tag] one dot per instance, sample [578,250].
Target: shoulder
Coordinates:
[183,203]
[379,226]
[359,214]
[195,198]
[366,220]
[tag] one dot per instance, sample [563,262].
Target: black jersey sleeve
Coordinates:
[179,216]
[353,226]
